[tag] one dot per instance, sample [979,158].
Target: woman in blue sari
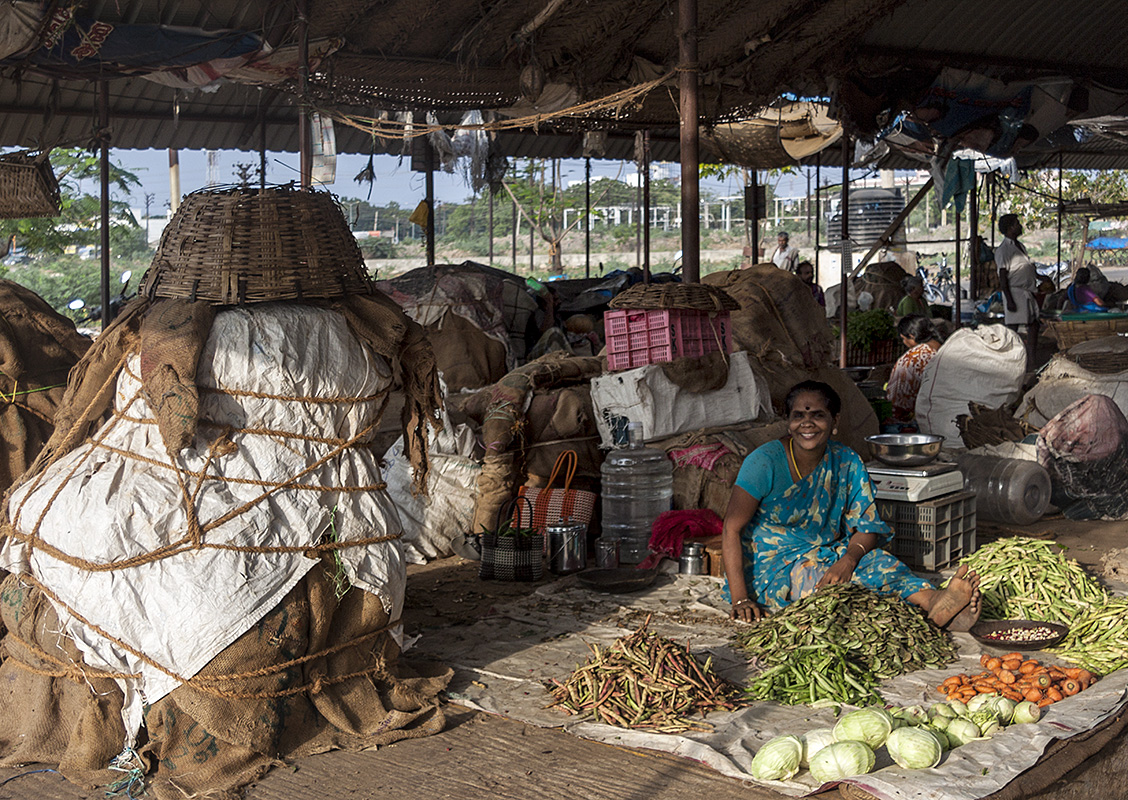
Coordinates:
[802,516]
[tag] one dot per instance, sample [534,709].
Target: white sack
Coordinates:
[1062,383]
[984,365]
[646,395]
[181,611]
[429,523]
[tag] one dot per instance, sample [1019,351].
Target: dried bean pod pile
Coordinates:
[1098,639]
[1022,578]
[646,682]
[841,636]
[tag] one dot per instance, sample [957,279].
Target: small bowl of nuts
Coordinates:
[1019,634]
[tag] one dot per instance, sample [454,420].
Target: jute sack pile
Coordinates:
[38,347]
[788,340]
[209,528]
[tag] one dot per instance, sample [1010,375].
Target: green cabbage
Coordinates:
[980,701]
[914,748]
[941,737]
[778,759]
[869,725]
[1003,708]
[841,760]
[961,731]
[1026,712]
[813,742]
[987,721]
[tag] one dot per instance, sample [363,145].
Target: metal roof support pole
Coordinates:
[587,217]
[688,138]
[491,224]
[516,224]
[173,179]
[818,210]
[1059,207]
[754,227]
[429,159]
[645,215]
[262,149]
[973,253]
[104,163]
[843,295]
[305,156]
[957,269]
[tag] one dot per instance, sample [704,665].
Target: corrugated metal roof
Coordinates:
[1071,37]
[750,51]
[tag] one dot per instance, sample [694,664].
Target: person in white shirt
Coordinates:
[1018,280]
[785,256]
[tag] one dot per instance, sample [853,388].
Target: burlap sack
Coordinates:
[215,735]
[778,320]
[464,354]
[38,347]
[172,336]
[883,281]
[44,716]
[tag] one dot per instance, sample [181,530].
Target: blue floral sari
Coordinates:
[800,530]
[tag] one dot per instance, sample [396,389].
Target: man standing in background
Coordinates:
[1018,279]
[785,256]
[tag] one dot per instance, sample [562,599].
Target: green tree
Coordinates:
[79,219]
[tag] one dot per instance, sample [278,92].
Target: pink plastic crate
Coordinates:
[636,337]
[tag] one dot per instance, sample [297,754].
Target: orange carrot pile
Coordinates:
[1018,679]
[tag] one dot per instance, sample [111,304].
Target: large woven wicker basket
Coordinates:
[238,246]
[1069,332]
[27,186]
[695,296]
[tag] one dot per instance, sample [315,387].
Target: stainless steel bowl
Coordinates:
[905,449]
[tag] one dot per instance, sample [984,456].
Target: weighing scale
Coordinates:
[914,484]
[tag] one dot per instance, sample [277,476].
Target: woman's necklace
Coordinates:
[791,452]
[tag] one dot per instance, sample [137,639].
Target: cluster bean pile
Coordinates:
[1098,639]
[839,644]
[1022,578]
[647,682]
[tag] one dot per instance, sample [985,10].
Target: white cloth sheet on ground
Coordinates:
[502,662]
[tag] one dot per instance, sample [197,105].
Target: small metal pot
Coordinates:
[567,547]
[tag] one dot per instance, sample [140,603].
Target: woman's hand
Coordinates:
[840,572]
[747,610]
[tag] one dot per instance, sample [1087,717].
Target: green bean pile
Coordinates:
[839,644]
[1098,639]
[1022,578]
[817,672]
[647,682]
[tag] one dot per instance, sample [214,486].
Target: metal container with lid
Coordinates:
[567,546]
[692,561]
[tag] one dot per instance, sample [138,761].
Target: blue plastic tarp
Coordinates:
[1107,243]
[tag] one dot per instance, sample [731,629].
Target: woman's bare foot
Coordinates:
[958,604]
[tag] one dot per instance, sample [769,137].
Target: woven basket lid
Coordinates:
[698,296]
[243,245]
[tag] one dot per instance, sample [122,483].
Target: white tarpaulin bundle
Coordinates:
[984,365]
[664,408]
[285,392]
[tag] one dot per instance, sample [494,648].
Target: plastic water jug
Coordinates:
[1008,490]
[638,485]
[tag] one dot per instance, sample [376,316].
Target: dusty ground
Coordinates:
[480,755]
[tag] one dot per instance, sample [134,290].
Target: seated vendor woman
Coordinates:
[802,516]
[913,301]
[1081,295]
[922,340]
